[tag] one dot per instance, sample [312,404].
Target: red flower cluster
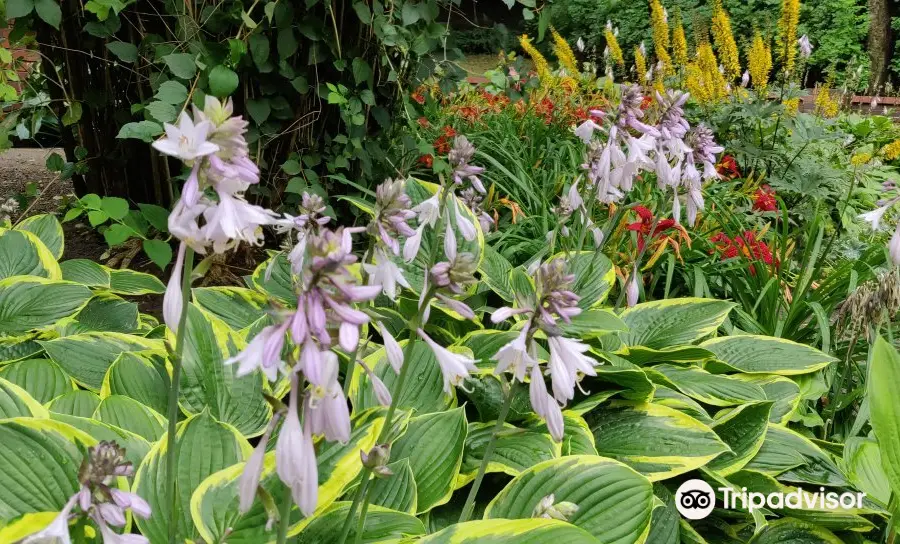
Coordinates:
[745,244]
[643,226]
[728,168]
[426,160]
[443,142]
[764,200]
[418,97]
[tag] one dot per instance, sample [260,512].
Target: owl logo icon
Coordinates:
[695,499]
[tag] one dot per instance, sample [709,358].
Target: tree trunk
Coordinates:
[880,43]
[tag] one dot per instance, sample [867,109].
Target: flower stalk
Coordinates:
[174,388]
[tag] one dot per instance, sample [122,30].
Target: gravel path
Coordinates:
[21,166]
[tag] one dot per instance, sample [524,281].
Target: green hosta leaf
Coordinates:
[784,391]
[24,254]
[139,376]
[885,408]
[683,403]
[79,403]
[614,502]
[664,526]
[673,322]
[397,492]
[792,457]
[40,465]
[381,525]
[207,383]
[713,389]
[42,378]
[129,282]
[104,312]
[17,402]
[862,460]
[640,355]
[236,306]
[515,450]
[767,355]
[86,357]
[136,448]
[205,446]
[47,228]
[433,443]
[428,394]
[657,441]
[795,532]
[636,383]
[495,270]
[577,437]
[17,348]
[25,302]
[511,531]
[85,272]
[743,429]
[593,323]
[129,414]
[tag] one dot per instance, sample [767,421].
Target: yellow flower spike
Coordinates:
[660,27]
[724,40]
[540,63]
[826,106]
[714,80]
[787,26]
[679,43]
[615,52]
[791,106]
[564,53]
[860,159]
[696,83]
[891,151]
[759,63]
[640,65]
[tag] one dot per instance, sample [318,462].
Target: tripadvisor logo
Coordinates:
[695,499]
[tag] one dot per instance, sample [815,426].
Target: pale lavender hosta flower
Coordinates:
[99,499]
[187,141]
[515,357]
[473,200]
[585,131]
[567,362]
[806,47]
[632,290]
[454,275]
[455,367]
[253,469]
[384,271]
[392,348]
[544,405]
[460,157]
[326,408]
[392,214]
[875,217]
[381,391]
[745,79]
[295,456]
[263,353]
[234,220]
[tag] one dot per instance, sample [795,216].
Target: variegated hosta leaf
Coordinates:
[511,531]
[104,312]
[86,357]
[19,348]
[205,446]
[426,396]
[885,408]
[673,322]
[783,391]
[398,491]
[714,389]
[136,447]
[381,525]
[30,303]
[24,254]
[766,355]
[238,307]
[17,402]
[129,414]
[214,504]
[641,355]
[791,457]
[577,437]
[655,440]
[207,383]
[273,278]
[433,443]
[38,451]
[614,502]
[796,532]
[79,403]
[42,378]
[594,276]
[47,229]
[141,376]
[86,272]
[862,462]
[515,450]
[129,282]
[743,429]
[683,403]
[664,526]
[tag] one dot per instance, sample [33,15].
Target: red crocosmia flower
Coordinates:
[442,145]
[643,226]
[423,122]
[426,160]
[728,168]
[764,200]
[448,132]
[645,103]
[746,245]
[418,97]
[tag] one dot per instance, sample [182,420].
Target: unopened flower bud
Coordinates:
[378,456]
